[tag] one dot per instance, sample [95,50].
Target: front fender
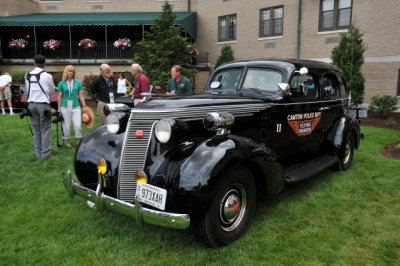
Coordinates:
[99,143]
[200,173]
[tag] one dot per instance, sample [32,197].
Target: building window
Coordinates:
[227,28]
[335,14]
[271,21]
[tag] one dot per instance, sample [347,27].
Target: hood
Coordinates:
[173,102]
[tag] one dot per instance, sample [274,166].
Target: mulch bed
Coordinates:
[393,122]
[391,151]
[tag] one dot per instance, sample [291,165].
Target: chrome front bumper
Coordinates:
[136,211]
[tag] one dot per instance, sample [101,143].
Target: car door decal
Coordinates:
[304,124]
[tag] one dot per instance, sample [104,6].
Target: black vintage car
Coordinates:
[200,160]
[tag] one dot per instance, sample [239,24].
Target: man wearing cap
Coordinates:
[40,86]
[103,88]
[5,92]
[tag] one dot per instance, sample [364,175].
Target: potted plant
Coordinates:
[51,44]
[87,43]
[18,43]
[122,43]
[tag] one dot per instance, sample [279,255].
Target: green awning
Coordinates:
[187,19]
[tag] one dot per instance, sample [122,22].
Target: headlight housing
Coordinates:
[117,117]
[112,123]
[163,130]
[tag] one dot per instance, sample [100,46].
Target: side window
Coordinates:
[262,79]
[229,78]
[304,87]
[330,87]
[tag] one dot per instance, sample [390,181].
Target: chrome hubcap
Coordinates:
[347,154]
[232,207]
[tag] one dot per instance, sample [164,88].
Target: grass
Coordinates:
[348,217]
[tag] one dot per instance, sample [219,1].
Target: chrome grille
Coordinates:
[135,149]
[133,157]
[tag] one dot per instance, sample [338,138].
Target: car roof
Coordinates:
[283,64]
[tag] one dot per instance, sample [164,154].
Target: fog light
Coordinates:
[140,176]
[102,166]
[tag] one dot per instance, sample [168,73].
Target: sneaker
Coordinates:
[3,113]
[12,113]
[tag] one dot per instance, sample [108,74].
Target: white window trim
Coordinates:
[227,42]
[332,32]
[270,38]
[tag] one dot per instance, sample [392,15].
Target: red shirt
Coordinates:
[142,84]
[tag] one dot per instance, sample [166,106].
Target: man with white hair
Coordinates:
[142,83]
[103,89]
[5,92]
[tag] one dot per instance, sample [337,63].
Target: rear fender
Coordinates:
[344,126]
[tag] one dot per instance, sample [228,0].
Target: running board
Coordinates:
[307,169]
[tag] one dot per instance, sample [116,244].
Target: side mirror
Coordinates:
[215,85]
[285,88]
[302,71]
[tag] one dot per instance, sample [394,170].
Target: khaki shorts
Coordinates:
[5,94]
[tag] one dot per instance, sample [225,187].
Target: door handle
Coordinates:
[323,108]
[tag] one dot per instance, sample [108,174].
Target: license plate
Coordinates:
[151,195]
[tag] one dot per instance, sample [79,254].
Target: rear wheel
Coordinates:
[232,209]
[346,153]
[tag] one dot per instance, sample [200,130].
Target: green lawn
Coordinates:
[348,217]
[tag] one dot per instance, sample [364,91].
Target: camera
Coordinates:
[25,112]
[56,113]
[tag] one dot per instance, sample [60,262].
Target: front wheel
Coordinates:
[231,211]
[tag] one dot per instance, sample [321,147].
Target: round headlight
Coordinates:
[163,131]
[112,123]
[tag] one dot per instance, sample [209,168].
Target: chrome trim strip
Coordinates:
[137,212]
[337,100]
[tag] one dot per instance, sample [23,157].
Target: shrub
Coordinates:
[88,81]
[398,147]
[18,77]
[57,77]
[349,56]
[225,56]
[383,104]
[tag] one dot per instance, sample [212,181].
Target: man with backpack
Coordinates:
[40,86]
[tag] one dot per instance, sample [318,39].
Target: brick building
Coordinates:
[305,29]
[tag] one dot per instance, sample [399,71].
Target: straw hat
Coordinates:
[87,117]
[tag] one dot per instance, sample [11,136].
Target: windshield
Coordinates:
[228,78]
[262,79]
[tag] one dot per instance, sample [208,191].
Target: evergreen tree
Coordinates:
[164,46]
[225,56]
[348,55]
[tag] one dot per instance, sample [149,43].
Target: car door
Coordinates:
[332,89]
[298,130]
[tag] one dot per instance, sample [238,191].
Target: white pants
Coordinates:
[75,117]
